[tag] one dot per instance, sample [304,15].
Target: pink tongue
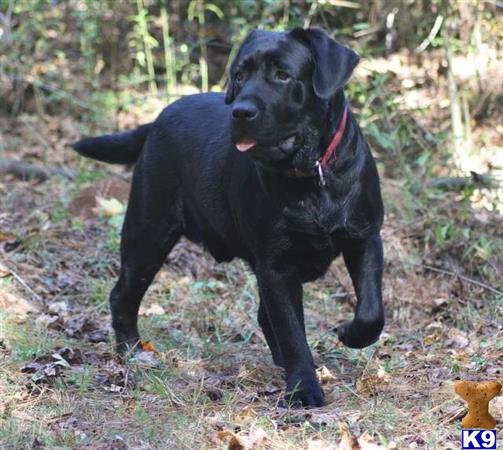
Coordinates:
[245,144]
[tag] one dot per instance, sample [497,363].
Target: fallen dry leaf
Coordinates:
[16,306]
[348,441]
[364,442]
[365,387]
[4,270]
[58,308]
[147,346]
[7,236]
[258,439]
[47,367]
[367,443]
[433,332]
[151,310]
[110,207]
[81,326]
[457,338]
[324,375]
[370,385]
[73,323]
[247,414]
[145,359]
[115,377]
[255,439]
[85,204]
[47,321]
[233,441]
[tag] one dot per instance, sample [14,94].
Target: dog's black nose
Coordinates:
[244,110]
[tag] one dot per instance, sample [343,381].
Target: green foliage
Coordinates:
[62,52]
[90,16]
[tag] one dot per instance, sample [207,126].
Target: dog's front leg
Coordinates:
[281,295]
[364,260]
[270,337]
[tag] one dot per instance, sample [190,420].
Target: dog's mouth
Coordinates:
[285,145]
[245,144]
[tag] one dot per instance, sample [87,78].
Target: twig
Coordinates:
[368,31]
[310,14]
[142,20]
[486,180]
[458,134]
[59,417]
[453,415]
[24,170]
[286,13]
[431,35]
[344,385]
[462,277]
[25,285]
[341,3]
[168,52]
[390,20]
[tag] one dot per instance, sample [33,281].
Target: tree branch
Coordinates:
[27,171]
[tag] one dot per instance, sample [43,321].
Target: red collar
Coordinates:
[336,140]
[329,154]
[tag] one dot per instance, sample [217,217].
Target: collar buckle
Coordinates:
[321,175]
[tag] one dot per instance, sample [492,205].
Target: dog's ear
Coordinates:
[230,93]
[333,63]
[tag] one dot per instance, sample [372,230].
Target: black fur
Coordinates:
[285,96]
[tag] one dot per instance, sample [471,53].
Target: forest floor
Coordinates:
[214,385]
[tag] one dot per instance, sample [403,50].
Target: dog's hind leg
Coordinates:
[364,260]
[151,228]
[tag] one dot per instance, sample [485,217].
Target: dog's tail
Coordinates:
[119,148]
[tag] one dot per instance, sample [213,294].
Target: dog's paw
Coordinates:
[127,347]
[358,334]
[304,392]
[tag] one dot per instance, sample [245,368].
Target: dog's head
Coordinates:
[279,87]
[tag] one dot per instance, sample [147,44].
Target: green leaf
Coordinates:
[384,140]
[191,10]
[215,9]
[423,159]
[441,232]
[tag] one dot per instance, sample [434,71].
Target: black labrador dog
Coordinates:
[276,172]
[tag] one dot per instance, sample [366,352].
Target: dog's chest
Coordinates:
[311,255]
[311,236]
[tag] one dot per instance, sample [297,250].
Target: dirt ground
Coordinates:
[213,384]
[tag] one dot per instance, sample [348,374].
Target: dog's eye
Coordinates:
[282,75]
[238,76]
